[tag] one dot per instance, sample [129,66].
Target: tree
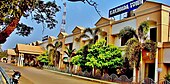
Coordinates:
[103,56]
[99,56]
[3,54]
[139,42]
[80,58]
[90,34]
[54,54]
[77,60]
[11,12]
[43,58]
[70,54]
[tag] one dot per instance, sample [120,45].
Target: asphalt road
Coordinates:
[32,75]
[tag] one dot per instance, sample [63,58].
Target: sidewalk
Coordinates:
[81,77]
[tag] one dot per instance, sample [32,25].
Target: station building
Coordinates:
[158,17]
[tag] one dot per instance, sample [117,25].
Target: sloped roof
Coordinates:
[52,37]
[158,3]
[11,52]
[78,27]
[22,48]
[102,18]
[63,34]
[39,42]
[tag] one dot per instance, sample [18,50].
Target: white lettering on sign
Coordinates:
[136,3]
[126,7]
[122,8]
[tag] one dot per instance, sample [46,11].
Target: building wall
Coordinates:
[119,26]
[156,14]
[159,15]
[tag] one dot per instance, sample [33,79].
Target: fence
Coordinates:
[151,81]
[107,77]
[123,79]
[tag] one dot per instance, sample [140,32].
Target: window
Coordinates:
[125,39]
[70,46]
[106,40]
[153,34]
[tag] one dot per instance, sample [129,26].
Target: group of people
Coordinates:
[29,62]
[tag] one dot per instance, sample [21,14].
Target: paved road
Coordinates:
[32,75]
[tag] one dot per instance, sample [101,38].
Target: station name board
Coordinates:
[127,7]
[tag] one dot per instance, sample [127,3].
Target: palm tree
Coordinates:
[54,54]
[92,36]
[69,53]
[137,43]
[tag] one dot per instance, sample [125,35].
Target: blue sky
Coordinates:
[78,14]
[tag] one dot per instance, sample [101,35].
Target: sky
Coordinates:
[78,14]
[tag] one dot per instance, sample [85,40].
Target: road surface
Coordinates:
[32,75]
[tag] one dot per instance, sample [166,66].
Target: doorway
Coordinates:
[150,70]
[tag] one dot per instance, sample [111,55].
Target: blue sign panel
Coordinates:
[127,7]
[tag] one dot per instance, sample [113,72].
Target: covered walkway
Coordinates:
[26,54]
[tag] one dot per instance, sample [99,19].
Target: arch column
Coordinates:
[20,59]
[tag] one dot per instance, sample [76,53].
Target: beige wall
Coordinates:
[156,14]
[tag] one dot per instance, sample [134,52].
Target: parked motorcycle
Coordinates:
[15,77]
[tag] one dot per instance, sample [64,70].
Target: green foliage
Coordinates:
[127,31]
[143,30]
[38,10]
[77,60]
[167,77]
[100,56]
[43,58]
[69,52]
[104,56]
[150,46]
[93,37]
[132,50]
[3,54]
[51,57]
[135,45]
[53,53]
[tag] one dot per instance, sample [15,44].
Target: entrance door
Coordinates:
[150,70]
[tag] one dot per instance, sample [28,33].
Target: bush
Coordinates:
[167,77]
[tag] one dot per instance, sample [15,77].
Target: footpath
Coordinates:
[81,77]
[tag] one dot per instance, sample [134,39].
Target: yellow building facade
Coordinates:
[158,16]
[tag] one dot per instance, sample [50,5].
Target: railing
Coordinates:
[5,76]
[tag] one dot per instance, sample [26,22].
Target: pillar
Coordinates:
[134,73]
[156,66]
[22,60]
[18,62]
[9,59]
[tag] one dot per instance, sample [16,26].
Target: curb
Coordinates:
[81,77]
